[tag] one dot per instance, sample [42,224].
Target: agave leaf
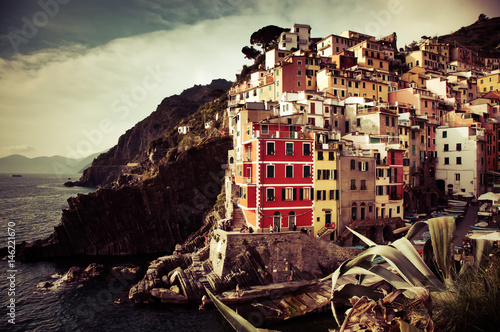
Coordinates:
[442,231]
[239,323]
[405,246]
[363,238]
[415,228]
[344,292]
[399,325]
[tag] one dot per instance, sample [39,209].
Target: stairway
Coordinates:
[238,218]
[199,272]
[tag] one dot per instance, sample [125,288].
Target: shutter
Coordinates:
[283,194]
[294,194]
[301,194]
[312,194]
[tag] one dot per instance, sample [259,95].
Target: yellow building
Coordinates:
[488,83]
[427,60]
[371,55]
[415,75]
[326,188]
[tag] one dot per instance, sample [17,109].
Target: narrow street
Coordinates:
[463,227]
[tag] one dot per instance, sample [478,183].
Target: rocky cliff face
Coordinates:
[107,167]
[149,215]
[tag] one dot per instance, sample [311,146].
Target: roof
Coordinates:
[492,95]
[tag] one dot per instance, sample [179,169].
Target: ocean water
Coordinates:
[33,203]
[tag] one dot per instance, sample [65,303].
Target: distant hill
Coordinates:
[17,164]
[483,36]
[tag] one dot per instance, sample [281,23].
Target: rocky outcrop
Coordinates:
[108,166]
[233,259]
[150,216]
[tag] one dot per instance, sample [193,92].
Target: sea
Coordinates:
[30,207]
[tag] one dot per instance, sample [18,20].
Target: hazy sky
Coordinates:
[76,74]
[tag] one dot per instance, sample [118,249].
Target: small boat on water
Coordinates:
[454,202]
[17,176]
[484,226]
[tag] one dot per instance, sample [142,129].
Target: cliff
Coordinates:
[108,166]
[148,214]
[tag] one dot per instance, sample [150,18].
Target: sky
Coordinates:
[77,74]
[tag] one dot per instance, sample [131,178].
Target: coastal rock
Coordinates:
[127,270]
[168,296]
[149,217]
[76,274]
[109,166]
[94,270]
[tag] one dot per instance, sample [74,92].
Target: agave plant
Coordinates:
[413,278]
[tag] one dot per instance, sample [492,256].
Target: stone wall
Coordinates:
[279,254]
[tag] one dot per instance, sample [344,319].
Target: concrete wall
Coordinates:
[280,252]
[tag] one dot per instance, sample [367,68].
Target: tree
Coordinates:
[482,18]
[250,52]
[266,36]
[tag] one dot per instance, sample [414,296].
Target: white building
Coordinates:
[298,37]
[461,164]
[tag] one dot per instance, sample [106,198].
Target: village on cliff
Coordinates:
[339,130]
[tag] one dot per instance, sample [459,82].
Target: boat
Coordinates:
[17,176]
[453,202]
[419,242]
[485,228]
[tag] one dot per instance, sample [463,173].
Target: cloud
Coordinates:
[74,101]
[19,149]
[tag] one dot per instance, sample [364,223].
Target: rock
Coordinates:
[76,274]
[175,289]
[127,270]
[94,270]
[165,281]
[45,284]
[168,296]
[149,216]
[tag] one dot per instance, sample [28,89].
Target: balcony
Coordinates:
[247,180]
[395,197]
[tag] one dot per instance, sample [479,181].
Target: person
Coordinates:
[195,250]
[238,290]
[270,229]
[294,227]
[204,301]
[250,230]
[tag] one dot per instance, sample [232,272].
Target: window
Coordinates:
[363,185]
[248,153]
[306,171]
[331,155]
[305,194]
[393,120]
[289,171]
[445,134]
[332,195]
[320,155]
[459,160]
[306,149]
[353,164]
[289,194]
[446,147]
[299,73]
[353,184]
[358,122]
[270,148]
[457,176]
[353,211]
[270,194]
[446,161]
[387,121]
[270,171]
[459,146]
[265,129]
[289,149]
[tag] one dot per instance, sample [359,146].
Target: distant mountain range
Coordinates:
[17,164]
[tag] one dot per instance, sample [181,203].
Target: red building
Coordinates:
[274,176]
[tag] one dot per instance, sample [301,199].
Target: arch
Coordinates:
[231,160]
[277,221]
[354,210]
[291,220]
[362,214]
